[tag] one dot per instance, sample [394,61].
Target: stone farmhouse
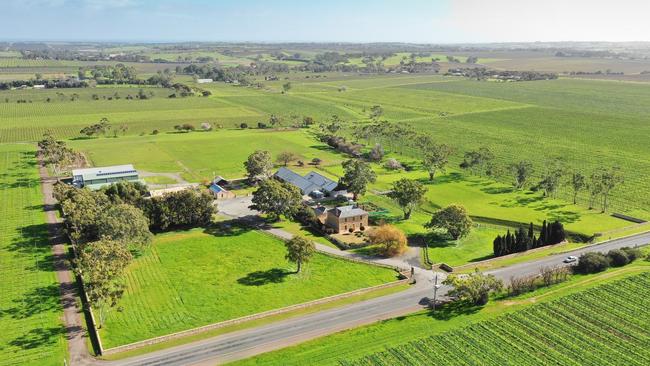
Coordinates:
[344,219]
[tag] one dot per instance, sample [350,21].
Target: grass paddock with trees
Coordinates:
[461,322]
[187,279]
[30,309]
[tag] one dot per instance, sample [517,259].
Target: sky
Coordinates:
[417,21]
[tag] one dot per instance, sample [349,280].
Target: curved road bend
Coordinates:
[250,342]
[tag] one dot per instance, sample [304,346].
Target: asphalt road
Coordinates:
[281,334]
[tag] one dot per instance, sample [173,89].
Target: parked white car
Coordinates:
[570,259]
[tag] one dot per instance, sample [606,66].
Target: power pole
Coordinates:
[436,286]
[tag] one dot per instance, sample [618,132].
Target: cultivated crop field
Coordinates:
[27,122]
[587,123]
[31,330]
[606,325]
[364,345]
[194,278]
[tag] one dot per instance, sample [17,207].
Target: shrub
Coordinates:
[351,230]
[592,263]
[243,126]
[377,153]
[393,164]
[617,258]
[475,287]
[391,239]
[155,132]
[632,253]
[551,276]
[316,161]
[521,285]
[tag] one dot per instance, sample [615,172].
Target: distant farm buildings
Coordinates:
[313,184]
[204,81]
[95,178]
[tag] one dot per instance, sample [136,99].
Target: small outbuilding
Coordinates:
[219,192]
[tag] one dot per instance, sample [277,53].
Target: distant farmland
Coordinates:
[588,123]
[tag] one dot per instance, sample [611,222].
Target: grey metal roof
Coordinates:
[296,179]
[105,172]
[323,182]
[307,184]
[348,211]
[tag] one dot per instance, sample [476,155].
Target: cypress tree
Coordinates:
[557,233]
[497,246]
[509,243]
[542,234]
[531,236]
[521,240]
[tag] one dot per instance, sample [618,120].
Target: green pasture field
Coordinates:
[489,201]
[200,155]
[497,206]
[612,317]
[194,278]
[30,311]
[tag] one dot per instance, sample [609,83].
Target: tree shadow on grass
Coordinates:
[260,278]
[453,177]
[434,239]
[32,239]
[565,217]
[453,309]
[38,337]
[485,257]
[234,227]
[38,300]
[21,183]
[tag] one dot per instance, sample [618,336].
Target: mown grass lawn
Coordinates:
[199,155]
[359,342]
[192,278]
[31,331]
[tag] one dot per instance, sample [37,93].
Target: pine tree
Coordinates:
[542,234]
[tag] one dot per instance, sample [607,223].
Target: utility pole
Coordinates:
[436,286]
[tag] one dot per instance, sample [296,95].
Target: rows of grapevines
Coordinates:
[606,325]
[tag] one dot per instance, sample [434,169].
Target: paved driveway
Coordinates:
[236,207]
